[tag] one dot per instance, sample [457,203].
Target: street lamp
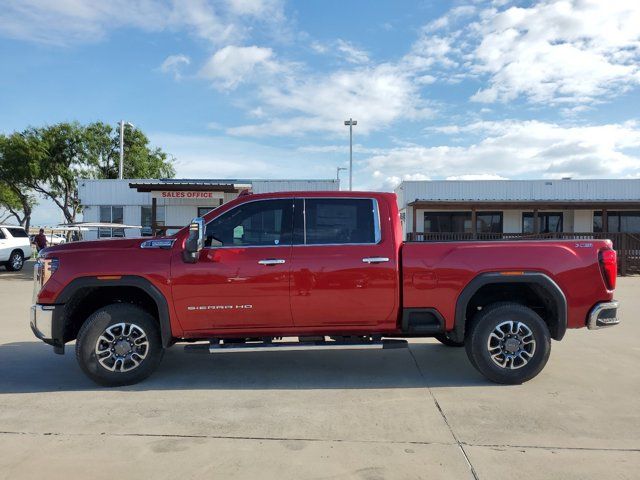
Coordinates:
[351,123]
[122,123]
[338,170]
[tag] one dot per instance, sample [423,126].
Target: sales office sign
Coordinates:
[186,194]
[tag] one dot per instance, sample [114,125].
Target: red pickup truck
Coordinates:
[328,269]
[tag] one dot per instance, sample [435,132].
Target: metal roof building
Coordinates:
[167,204]
[520,206]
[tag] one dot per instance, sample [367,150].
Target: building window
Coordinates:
[202,211]
[489,222]
[145,219]
[550,222]
[111,214]
[628,222]
[447,222]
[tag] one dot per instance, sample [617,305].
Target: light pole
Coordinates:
[338,170]
[351,123]
[122,123]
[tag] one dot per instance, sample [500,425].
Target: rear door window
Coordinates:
[330,221]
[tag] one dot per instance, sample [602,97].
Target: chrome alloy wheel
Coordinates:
[122,347]
[16,261]
[511,345]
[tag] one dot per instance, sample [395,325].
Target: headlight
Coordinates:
[44,269]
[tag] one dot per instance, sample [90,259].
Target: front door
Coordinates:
[242,277]
[342,271]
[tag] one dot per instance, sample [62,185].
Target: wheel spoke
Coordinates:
[511,344]
[122,347]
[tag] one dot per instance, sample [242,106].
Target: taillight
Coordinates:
[609,266]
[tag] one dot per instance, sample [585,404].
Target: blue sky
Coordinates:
[260,88]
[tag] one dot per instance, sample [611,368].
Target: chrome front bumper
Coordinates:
[42,321]
[603,315]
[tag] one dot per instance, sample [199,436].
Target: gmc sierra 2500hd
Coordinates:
[329,268]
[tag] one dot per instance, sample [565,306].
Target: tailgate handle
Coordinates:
[375,259]
[271,261]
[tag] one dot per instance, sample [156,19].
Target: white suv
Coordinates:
[15,247]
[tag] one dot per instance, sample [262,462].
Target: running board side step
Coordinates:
[215,347]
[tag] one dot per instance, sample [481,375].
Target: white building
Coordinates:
[175,201]
[485,209]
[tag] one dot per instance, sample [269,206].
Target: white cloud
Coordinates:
[391,182]
[351,53]
[519,149]
[477,176]
[69,21]
[553,52]
[173,65]
[256,8]
[232,65]
[66,22]
[375,96]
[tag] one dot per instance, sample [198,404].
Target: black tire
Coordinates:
[16,261]
[445,340]
[531,327]
[110,317]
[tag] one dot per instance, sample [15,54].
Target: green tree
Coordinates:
[16,200]
[140,159]
[49,160]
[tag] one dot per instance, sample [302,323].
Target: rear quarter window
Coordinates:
[17,233]
[339,221]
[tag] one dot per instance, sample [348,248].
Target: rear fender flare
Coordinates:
[546,283]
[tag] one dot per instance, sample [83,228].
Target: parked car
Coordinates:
[329,268]
[55,239]
[15,247]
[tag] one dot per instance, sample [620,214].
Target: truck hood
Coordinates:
[102,245]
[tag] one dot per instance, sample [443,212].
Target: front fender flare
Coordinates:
[124,281]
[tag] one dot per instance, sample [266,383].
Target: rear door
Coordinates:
[245,281]
[343,269]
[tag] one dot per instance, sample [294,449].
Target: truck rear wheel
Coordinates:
[119,344]
[508,343]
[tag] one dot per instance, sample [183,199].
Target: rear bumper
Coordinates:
[603,315]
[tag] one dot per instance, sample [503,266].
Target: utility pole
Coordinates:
[351,123]
[122,123]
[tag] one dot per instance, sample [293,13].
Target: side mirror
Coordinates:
[195,241]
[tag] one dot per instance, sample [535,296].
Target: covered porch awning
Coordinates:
[184,189]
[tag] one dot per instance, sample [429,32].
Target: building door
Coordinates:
[242,277]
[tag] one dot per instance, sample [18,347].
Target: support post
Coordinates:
[605,221]
[413,226]
[154,211]
[536,221]
[474,223]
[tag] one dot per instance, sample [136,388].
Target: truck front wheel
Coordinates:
[508,343]
[119,344]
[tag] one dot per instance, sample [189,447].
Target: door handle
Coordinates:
[375,259]
[271,261]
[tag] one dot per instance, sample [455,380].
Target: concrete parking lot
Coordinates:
[417,413]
